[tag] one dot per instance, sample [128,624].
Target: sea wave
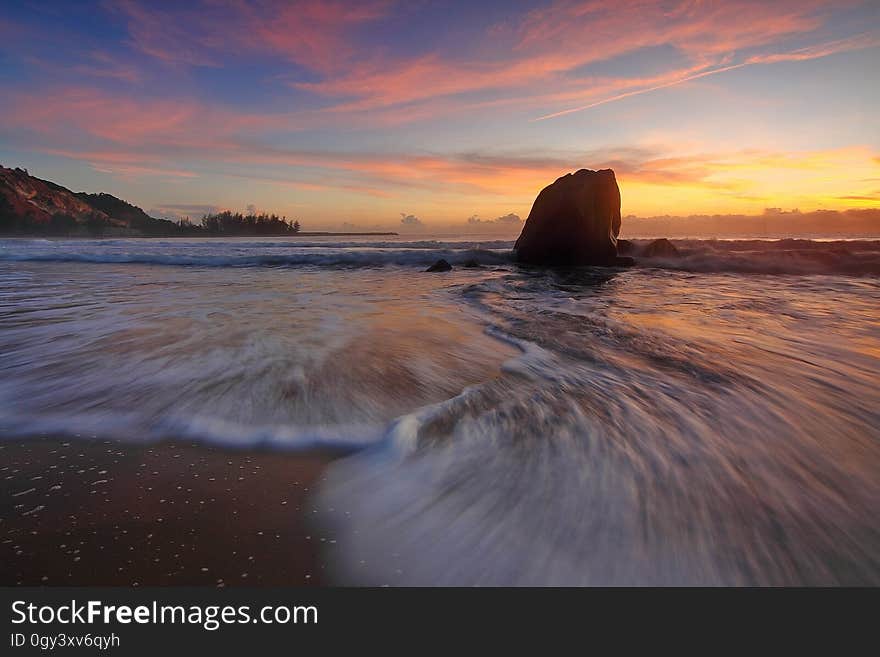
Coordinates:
[788,256]
[134,427]
[342,258]
[298,243]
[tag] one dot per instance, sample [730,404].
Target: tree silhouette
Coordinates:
[236,223]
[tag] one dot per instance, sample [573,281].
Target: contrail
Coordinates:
[642,91]
[857,42]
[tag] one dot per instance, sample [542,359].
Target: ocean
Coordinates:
[707,418]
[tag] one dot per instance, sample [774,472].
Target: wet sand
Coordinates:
[102,513]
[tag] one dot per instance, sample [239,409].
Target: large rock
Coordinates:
[574,221]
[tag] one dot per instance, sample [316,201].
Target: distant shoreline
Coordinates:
[314,233]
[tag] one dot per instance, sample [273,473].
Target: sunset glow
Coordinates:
[357,113]
[434,293]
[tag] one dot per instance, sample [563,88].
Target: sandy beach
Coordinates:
[103,513]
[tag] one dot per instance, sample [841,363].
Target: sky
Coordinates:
[422,115]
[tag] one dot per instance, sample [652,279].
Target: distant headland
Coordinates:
[33,207]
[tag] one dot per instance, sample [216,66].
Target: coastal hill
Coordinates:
[33,206]
[30,205]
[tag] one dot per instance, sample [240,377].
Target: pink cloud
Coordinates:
[680,77]
[589,30]
[164,37]
[102,65]
[189,141]
[534,59]
[312,33]
[857,42]
[75,113]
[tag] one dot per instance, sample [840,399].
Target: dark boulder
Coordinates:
[661,248]
[440,265]
[574,221]
[625,247]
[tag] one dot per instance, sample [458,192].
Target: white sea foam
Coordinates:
[618,450]
[513,425]
[853,257]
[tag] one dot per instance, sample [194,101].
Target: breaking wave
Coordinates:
[363,258]
[788,256]
[656,429]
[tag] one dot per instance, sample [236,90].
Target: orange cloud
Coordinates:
[181,139]
[653,182]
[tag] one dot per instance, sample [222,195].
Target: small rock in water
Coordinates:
[661,248]
[472,264]
[440,265]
